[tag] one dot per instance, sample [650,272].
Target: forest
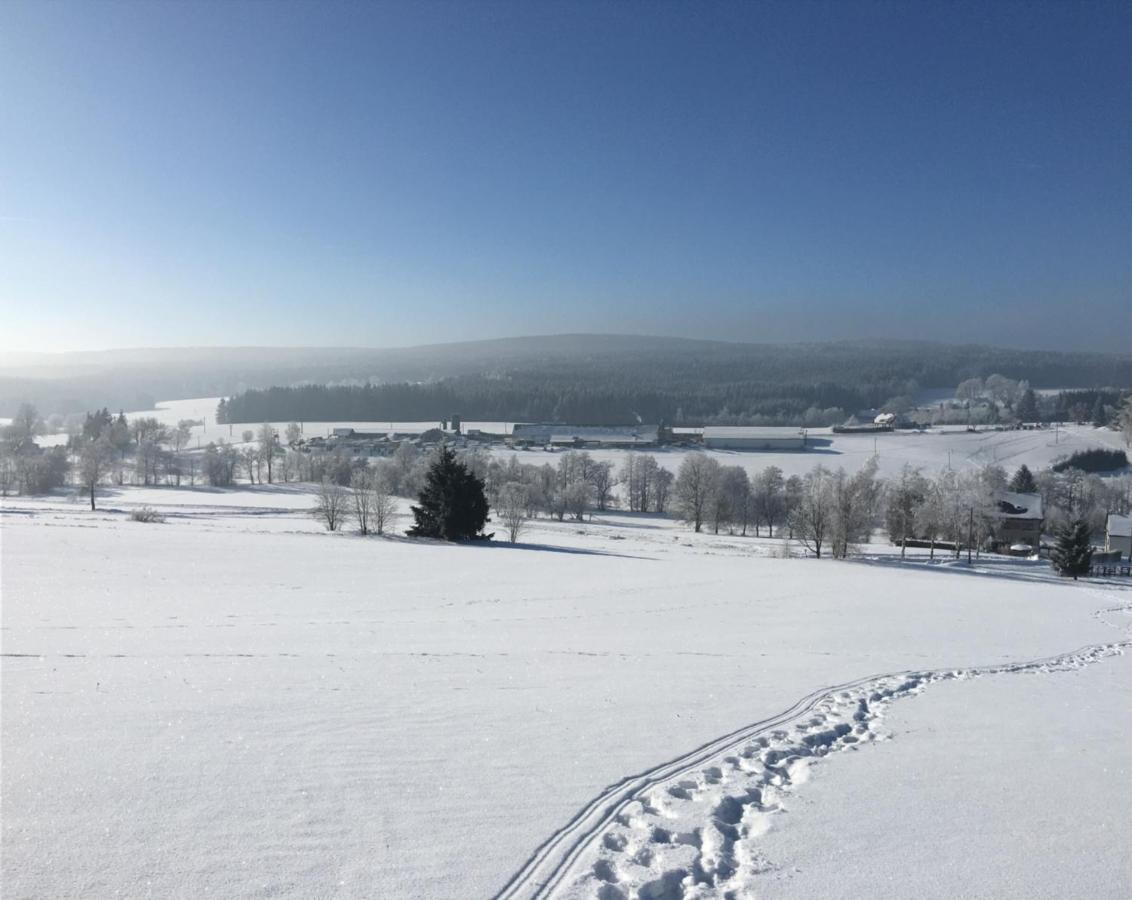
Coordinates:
[593,377]
[681,383]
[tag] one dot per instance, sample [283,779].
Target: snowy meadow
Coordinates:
[235,702]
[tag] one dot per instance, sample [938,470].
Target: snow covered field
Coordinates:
[235,703]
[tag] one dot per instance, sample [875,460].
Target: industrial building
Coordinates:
[743,438]
[542,435]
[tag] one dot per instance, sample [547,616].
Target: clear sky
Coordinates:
[387,174]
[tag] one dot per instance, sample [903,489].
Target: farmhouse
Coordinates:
[585,435]
[738,438]
[1018,520]
[1118,535]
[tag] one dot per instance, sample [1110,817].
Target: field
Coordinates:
[235,703]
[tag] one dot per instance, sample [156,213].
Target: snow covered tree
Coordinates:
[1124,420]
[811,520]
[512,507]
[94,462]
[733,499]
[1027,408]
[662,489]
[768,499]
[856,501]
[905,495]
[362,496]
[181,435]
[451,505]
[1023,481]
[268,443]
[602,480]
[695,487]
[331,504]
[1073,552]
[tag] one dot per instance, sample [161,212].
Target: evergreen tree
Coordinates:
[1100,419]
[1028,407]
[452,504]
[1073,553]
[1023,481]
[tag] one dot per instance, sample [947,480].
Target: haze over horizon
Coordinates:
[313,175]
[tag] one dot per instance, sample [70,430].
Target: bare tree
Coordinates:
[25,425]
[94,463]
[662,489]
[384,502]
[603,481]
[904,498]
[931,515]
[330,504]
[576,498]
[768,499]
[856,501]
[268,441]
[147,428]
[512,507]
[695,486]
[293,434]
[181,435]
[811,521]
[7,471]
[250,458]
[731,501]
[362,496]
[189,467]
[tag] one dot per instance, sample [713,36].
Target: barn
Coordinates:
[741,438]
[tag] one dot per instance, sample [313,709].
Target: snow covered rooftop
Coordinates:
[755,432]
[1019,506]
[1120,526]
[611,434]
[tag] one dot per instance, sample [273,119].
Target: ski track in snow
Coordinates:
[688,828]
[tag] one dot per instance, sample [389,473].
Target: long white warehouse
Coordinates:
[739,438]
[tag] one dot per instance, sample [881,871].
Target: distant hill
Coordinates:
[634,367]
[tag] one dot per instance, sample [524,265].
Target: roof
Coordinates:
[621,434]
[1019,506]
[1120,526]
[754,433]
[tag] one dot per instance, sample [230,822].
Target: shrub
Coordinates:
[146,514]
[1094,461]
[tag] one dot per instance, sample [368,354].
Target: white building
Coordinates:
[1118,535]
[586,435]
[741,438]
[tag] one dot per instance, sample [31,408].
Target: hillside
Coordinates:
[535,368]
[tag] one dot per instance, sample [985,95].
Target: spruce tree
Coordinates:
[1023,481]
[1073,553]
[1027,410]
[452,505]
[1100,420]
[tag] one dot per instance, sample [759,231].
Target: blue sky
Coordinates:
[385,174]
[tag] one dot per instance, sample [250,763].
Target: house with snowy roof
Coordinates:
[1118,535]
[1018,521]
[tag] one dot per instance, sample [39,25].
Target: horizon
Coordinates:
[403,175]
[7,355]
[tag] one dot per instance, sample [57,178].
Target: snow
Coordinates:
[237,703]
[1017,787]
[932,450]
